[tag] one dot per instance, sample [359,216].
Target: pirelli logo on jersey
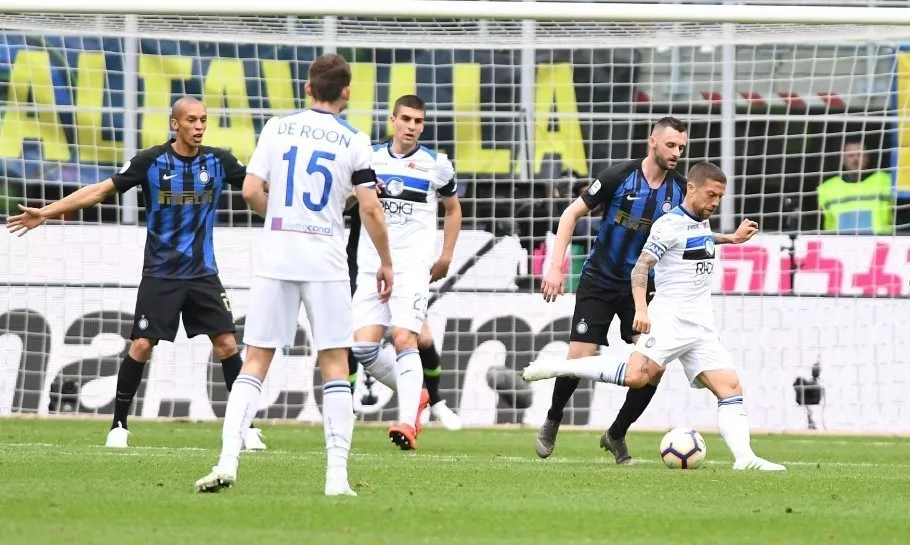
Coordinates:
[632,222]
[172,198]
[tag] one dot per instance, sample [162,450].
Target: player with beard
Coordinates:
[634,194]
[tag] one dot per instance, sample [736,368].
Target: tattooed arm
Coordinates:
[640,273]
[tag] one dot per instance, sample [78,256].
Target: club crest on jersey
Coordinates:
[582,327]
[203,176]
[650,342]
[666,207]
[709,247]
[394,187]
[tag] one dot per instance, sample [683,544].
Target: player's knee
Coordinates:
[403,340]
[224,345]
[141,349]
[637,379]
[425,339]
[365,352]
[655,378]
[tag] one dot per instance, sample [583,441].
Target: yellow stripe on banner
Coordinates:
[902,175]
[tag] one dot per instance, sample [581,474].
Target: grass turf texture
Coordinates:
[58,485]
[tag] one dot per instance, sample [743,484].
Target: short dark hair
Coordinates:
[855,139]
[409,101]
[671,122]
[704,171]
[329,74]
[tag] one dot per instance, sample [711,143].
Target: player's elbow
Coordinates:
[252,188]
[371,209]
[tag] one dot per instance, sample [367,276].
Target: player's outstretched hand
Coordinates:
[552,285]
[440,269]
[384,280]
[747,229]
[641,322]
[24,222]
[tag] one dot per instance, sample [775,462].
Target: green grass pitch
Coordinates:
[58,485]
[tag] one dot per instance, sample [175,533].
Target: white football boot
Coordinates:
[252,439]
[118,437]
[446,416]
[759,464]
[216,480]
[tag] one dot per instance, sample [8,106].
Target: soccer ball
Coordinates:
[683,448]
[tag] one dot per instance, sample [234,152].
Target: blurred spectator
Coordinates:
[859,200]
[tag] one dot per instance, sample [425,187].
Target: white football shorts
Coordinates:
[407,308]
[271,321]
[697,348]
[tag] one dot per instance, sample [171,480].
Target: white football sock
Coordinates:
[376,362]
[734,426]
[338,424]
[596,368]
[410,383]
[241,408]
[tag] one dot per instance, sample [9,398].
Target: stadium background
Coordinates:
[791,299]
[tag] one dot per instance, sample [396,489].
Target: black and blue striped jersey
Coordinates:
[181,200]
[631,206]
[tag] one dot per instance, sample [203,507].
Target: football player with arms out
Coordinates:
[312,160]
[679,322]
[634,194]
[181,182]
[410,176]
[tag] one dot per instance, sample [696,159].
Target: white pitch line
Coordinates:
[160,451]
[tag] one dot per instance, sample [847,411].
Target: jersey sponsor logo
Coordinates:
[168,176]
[397,212]
[703,270]
[632,222]
[595,187]
[281,224]
[176,198]
[416,166]
[632,197]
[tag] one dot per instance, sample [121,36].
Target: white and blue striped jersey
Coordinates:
[684,248]
[410,185]
[311,159]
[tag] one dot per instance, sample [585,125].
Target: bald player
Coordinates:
[181,181]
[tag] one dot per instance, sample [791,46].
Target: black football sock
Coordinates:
[432,371]
[129,377]
[230,366]
[352,369]
[562,392]
[637,400]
